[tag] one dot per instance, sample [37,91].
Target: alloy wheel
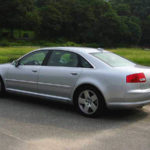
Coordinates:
[88,102]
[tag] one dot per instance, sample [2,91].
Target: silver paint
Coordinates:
[60,83]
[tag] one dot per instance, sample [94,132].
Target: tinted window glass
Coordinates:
[84,63]
[35,58]
[112,59]
[63,58]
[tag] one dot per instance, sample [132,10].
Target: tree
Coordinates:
[14,14]
[41,3]
[139,8]
[133,33]
[146,32]
[123,9]
[106,22]
[134,13]
[51,21]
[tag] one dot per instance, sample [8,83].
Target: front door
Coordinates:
[24,77]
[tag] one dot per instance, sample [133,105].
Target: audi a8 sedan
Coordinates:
[90,79]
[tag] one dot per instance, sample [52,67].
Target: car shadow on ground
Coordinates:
[39,112]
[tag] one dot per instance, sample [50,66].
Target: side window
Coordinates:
[84,63]
[35,58]
[63,58]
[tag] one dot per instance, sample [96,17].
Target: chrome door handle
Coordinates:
[74,73]
[34,70]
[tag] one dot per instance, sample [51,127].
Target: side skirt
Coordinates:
[46,96]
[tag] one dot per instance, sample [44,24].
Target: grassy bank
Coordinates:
[8,54]
[138,55]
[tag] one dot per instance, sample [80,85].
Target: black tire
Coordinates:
[100,102]
[2,88]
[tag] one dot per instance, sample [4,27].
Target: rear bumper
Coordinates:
[128,104]
[133,99]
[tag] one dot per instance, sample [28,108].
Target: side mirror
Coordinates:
[15,63]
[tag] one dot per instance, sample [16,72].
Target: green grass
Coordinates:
[8,54]
[137,55]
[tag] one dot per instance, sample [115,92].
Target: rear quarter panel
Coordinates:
[110,83]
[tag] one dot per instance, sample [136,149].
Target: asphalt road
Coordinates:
[34,124]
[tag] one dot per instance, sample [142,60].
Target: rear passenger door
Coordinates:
[60,75]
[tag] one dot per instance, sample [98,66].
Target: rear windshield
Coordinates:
[112,59]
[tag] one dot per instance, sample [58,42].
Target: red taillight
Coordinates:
[136,78]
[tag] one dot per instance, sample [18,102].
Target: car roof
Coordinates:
[75,49]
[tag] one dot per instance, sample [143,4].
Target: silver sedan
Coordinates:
[91,79]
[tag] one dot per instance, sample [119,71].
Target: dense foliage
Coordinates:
[108,23]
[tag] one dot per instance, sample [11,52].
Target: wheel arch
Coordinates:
[1,79]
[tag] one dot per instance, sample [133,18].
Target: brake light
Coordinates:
[136,78]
